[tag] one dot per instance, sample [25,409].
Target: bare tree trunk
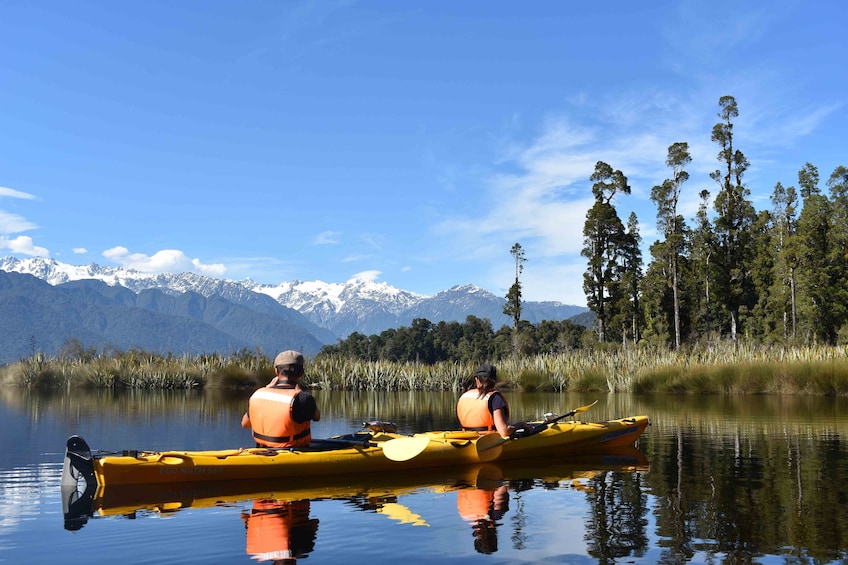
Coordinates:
[676,303]
[792,294]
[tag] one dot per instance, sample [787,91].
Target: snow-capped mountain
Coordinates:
[330,310]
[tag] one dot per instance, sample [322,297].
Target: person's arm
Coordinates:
[305,408]
[501,424]
[245,421]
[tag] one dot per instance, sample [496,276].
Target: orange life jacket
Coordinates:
[270,411]
[474,504]
[270,527]
[473,412]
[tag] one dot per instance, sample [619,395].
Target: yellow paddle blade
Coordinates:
[404,448]
[577,411]
[402,514]
[489,446]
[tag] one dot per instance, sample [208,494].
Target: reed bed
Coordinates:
[722,369]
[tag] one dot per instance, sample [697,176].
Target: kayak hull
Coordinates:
[356,453]
[575,437]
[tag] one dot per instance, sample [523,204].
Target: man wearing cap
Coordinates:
[482,408]
[281,412]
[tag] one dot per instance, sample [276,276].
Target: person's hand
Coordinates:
[524,431]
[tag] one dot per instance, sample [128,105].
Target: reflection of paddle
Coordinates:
[489,445]
[401,513]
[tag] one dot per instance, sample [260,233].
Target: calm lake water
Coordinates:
[713,480]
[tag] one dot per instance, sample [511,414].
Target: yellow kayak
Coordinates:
[380,490]
[362,452]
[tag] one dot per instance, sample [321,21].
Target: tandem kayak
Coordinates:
[361,452]
[378,492]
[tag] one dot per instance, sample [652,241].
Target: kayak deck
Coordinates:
[361,452]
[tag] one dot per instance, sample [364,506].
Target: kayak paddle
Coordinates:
[403,448]
[488,446]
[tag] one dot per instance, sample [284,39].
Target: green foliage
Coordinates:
[472,341]
[604,241]
[591,380]
[532,380]
[720,369]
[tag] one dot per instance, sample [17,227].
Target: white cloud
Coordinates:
[328,237]
[79,250]
[23,244]
[164,261]
[13,223]
[371,275]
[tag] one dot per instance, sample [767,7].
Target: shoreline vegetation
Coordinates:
[723,369]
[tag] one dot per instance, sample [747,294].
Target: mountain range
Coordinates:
[43,302]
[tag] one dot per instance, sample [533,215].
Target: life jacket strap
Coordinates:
[480,429]
[282,439]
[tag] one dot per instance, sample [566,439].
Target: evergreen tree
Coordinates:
[656,296]
[603,234]
[631,279]
[838,185]
[512,308]
[734,219]
[762,323]
[815,236]
[702,244]
[782,296]
[671,224]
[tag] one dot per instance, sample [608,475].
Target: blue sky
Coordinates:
[408,142]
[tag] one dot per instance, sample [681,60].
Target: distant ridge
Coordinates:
[223,314]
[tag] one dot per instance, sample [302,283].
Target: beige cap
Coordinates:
[288,358]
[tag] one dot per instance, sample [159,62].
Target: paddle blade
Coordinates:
[489,447]
[404,448]
[577,411]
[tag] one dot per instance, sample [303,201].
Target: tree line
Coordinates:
[474,340]
[775,276]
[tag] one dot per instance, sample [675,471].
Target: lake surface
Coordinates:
[713,480]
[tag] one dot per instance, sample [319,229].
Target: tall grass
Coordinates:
[722,369]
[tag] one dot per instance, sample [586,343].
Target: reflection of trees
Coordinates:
[616,526]
[747,490]
[519,519]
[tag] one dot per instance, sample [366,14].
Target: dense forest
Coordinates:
[771,277]
[473,340]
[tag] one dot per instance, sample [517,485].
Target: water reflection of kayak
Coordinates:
[375,492]
[366,452]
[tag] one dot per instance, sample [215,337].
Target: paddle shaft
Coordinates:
[547,423]
[485,443]
[574,412]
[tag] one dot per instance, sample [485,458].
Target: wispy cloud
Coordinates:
[354,258]
[12,193]
[326,238]
[371,275]
[13,223]
[164,261]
